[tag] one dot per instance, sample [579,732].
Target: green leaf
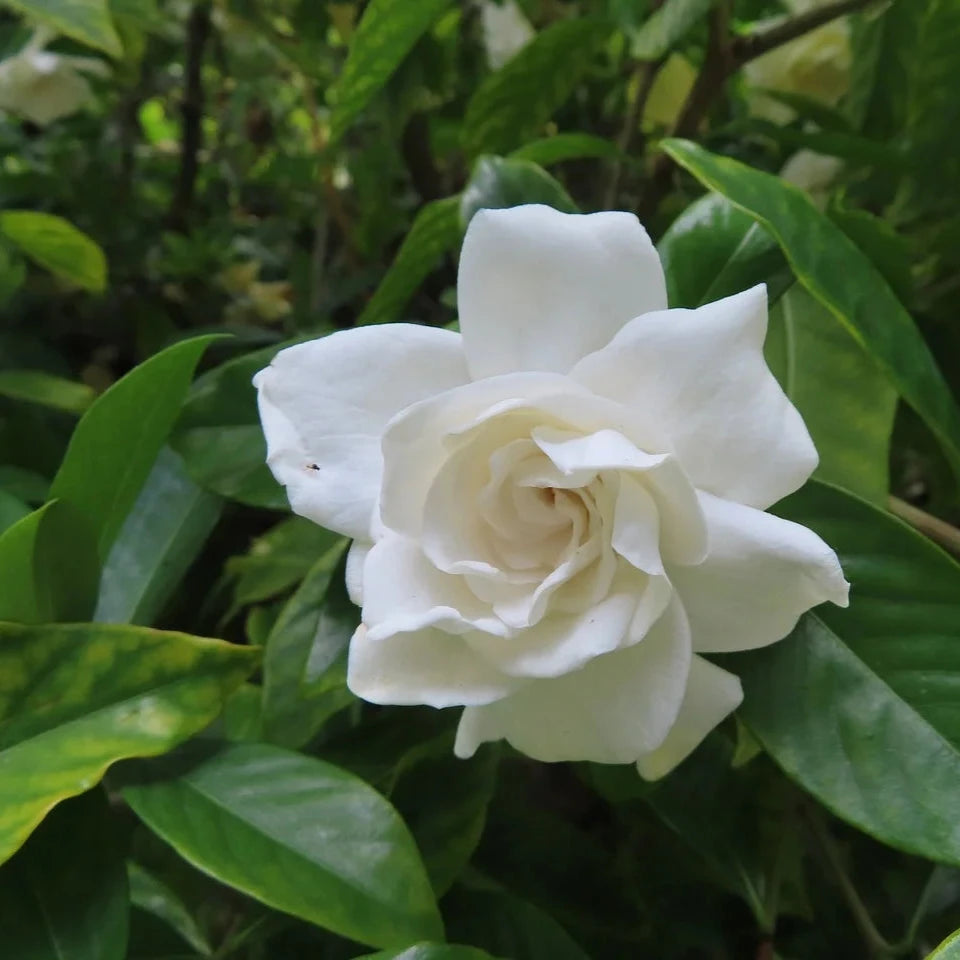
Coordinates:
[842,278]
[497,182]
[312,632]
[161,536]
[38,386]
[859,705]
[666,27]
[12,509]
[58,246]
[507,926]
[75,699]
[151,895]
[64,895]
[297,834]
[117,440]
[385,35]
[512,105]
[219,436]
[435,231]
[949,949]
[431,951]
[714,250]
[49,566]
[85,20]
[823,370]
[278,560]
[566,146]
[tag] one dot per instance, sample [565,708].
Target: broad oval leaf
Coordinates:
[57,245]
[298,834]
[860,705]
[161,536]
[566,146]
[38,386]
[384,36]
[498,182]
[76,698]
[117,440]
[949,949]
[842,278]
[64,895]
[666,26]
[511,105]
[85,20]
[153,896]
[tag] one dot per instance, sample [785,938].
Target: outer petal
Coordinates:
[423,667]
[712,694]
[616,708]
[760,575]
[539,289]
[700,374]
[324,406]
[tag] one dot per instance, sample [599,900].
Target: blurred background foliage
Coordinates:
[278,169]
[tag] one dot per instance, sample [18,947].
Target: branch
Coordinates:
[936,529]
[755,45]
[198,32]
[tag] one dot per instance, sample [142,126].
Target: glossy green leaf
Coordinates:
[219,436]
[842,278]
[714,250]
[823,370]
[435,231]
[310,635]
[278,560]
[75,699]
[153,896]
[117,440]
[38,386]
[431,951]
[58,246]
[507,926]
[512,105]
[161,536]
[859,705]
[385,35]
[666,26]
[64,895]
[566,146]
[949,949]
[12,509]
[498,182]
[85,20]
[298,834]
[49,566]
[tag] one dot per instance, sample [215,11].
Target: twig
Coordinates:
[198,32]
[933,527]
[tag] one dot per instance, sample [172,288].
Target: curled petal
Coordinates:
[761,574]
[538,289]
[324,405]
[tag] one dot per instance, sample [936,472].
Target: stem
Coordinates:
[198,32]
[936,529]
[876,944]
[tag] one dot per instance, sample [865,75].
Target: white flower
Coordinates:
[558,510]
[813,172]
[42,86]
[506,31]
[815,65]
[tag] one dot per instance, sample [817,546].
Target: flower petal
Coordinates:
[613,710]
[426,666]
[356,558]
[539,289]
[701,376]
[712,694]
[761,574]
[324,406]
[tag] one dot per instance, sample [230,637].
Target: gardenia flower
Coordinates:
[506,30]
[42,86]
[559,510]
[815,65]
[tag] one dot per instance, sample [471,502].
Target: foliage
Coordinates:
[243,175]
